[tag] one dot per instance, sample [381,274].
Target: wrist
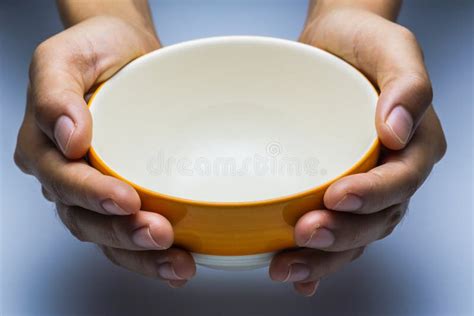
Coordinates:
[133,36]
[322,12]
[321,23]
[134,13]
[146,32]
[387,9]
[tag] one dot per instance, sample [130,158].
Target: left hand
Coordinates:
[366,207]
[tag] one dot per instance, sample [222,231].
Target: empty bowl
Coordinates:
[233,139]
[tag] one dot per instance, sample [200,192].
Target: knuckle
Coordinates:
[69,218]
[48,105]
[41,52]
[22,150]
[19,160]
[358,253]
[415,180]
[57,190]
[41,103]
[53,181]
[113,234]
[145,266]
[375,184]
[387,231]
[443,147]
[406,33]
[82,186]
[356,237]
[422,85]
[45,103]
[109,254]
[373,179]
[47,195]
[396,213]
[394,216]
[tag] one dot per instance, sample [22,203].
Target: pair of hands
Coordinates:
[56,134]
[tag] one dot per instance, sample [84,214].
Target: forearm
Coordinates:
[136,12]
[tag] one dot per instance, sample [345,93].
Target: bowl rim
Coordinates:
[94,157]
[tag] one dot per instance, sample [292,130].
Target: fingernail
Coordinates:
[177,283]
[320,238]
[400,123]
[63,130]
[313,291]
[111,207]
[142,238]
[350,202]
[297,272]
[166,271]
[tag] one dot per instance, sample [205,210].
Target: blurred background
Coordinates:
[424,268]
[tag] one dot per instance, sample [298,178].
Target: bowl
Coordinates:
[233,139]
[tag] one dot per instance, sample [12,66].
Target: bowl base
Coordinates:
[234,263]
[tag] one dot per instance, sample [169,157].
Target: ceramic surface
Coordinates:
[234,138]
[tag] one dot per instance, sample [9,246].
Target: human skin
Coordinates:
[363,208]
[102,36]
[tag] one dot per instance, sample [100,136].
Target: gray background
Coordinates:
[423,268]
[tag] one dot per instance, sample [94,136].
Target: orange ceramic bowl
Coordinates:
[233,139]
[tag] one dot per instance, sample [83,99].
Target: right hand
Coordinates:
[56,133]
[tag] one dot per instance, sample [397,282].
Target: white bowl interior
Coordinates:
[234,119]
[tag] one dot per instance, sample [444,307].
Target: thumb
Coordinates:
[389,55]
[56,98]
[67,65]
[405,87]
[402,103]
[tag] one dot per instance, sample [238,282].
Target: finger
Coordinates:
[65,67]
[406,91]
[47,195]
[56,97]
[306,265]
[77,183]
[392,58]
[72,182]
[403,100]
[336,231]
[307,289]
[174,265]
[140,231]
[396,179]
[388,55]
[177,283]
